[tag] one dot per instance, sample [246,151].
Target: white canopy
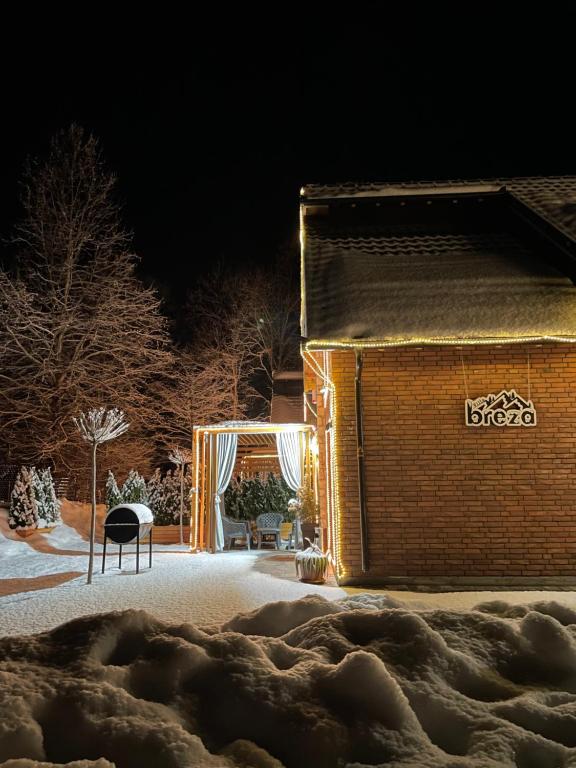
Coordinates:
[223,439]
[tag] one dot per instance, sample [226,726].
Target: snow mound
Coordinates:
[25,763]
[361,682]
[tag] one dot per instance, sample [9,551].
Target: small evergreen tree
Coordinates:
[23,512]
[51,512]
[163,495]
[277,494]
[113,495]
[155,493]
[171,496]
[152,489]
[134,489]
[246,499]
[39,495]
[233,499]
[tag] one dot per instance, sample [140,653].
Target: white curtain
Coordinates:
[226,451]
[290,453]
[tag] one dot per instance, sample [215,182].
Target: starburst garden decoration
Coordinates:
[181,457]
[97,426]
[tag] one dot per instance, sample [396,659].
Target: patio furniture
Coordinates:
[235,529]
[287,534]
[268,524]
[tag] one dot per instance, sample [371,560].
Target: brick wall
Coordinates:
[449,500]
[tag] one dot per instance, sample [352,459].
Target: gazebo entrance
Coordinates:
[215,450]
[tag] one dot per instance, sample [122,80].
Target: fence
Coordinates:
[65,485]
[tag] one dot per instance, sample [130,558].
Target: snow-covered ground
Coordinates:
[330,680]
[362,682]
[180,586]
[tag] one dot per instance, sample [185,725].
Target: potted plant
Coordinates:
[311,564]
[308,512]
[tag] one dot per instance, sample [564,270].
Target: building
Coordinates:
[439,340]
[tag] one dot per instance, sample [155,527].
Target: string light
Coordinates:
[336,523]
[324,344]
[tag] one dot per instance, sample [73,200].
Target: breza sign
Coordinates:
[506,409]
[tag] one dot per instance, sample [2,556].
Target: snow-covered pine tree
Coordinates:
[164,497]
[51,502]
[171,496]
[40,496]
[134,489]
[156,498]
[113,495]
[23,512]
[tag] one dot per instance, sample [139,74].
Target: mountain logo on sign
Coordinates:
[506,409]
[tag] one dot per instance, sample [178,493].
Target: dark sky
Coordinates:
[211,138]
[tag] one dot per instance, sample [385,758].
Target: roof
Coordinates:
[392,264]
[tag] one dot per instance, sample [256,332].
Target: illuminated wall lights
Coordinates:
[327,344]
[336,523]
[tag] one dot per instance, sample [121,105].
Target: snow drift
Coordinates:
[364,681]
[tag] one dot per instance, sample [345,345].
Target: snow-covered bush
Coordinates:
[245,499]
[23,513]
[33,503]
[39,495]
[277,494]
[134,489]
[49,507]
[164,497]
[156,500]
[113,495]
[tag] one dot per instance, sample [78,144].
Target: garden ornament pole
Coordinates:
[180,457]
[97,426]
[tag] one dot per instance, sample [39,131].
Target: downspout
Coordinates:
[361,467]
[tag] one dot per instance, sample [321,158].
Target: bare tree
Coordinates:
[196,390]
[181,457]
[274,297]
[249,320]
[96,427]
[76,325]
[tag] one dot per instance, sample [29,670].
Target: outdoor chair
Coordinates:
[268,524]
[287,534]
[235,529]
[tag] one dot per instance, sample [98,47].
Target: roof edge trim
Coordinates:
[328,344]
[407,191]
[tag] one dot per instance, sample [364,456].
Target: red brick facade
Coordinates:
[444,499]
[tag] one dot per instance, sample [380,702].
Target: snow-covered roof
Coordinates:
[262,427]
[439,262]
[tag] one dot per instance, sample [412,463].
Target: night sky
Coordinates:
[212,140]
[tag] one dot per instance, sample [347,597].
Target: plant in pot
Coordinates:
[308,512]
[311,564]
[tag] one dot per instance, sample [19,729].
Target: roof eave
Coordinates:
[331,344]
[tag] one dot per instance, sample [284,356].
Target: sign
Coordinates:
[506,409]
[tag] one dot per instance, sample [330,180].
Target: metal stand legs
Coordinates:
[137,553]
